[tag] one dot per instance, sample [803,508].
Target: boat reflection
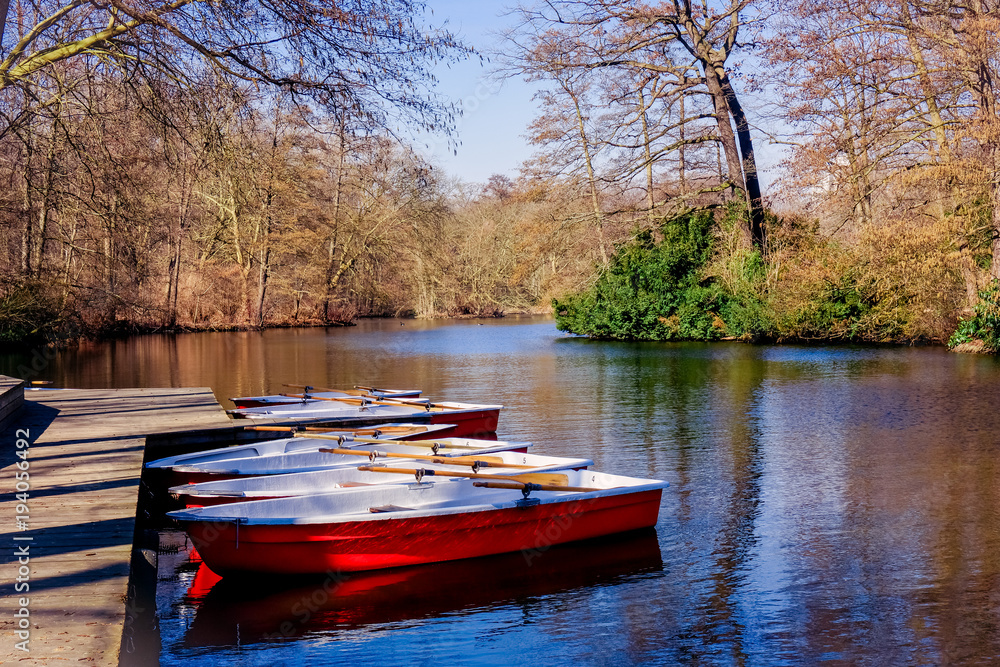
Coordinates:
[232,612]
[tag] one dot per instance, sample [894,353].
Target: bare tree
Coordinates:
[632,35]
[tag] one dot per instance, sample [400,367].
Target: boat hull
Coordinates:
[228,548]
[469,424]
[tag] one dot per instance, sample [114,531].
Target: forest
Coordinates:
[185,164]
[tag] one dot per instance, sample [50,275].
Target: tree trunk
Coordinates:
[68,264]
[682,152]
[26,208]
[995,196]
[177,228]
[48,177]
[647,155]
[331,266]
[591,178]
[755,202]
[727,138]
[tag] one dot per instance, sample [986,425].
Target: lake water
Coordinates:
[836,505]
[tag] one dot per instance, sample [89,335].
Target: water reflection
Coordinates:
[231,612]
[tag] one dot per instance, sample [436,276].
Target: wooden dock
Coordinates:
[85,452]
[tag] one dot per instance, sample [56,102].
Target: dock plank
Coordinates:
[85,460]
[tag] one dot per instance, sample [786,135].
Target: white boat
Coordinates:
[469,419]
[289,455]
[389,525]
[320,481]
[290,445]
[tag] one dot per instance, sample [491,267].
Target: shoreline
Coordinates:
[125,331]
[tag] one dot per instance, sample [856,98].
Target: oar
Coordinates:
[410,401]
[357,391]
[364,400]
[309,388]
[473,462]
[373,390]
[548,478]
[527,486]
[327,429]
[432,444]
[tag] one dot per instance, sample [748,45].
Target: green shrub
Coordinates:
[701,282]
[838,311]
[984,325]
[652,290]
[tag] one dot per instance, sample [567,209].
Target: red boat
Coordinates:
[470,420]
[389,525]
[227,612]
[321,393]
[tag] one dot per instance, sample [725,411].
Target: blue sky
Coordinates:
[495,116]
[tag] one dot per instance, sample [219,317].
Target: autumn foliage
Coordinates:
[160,173]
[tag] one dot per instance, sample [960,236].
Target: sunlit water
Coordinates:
[830,505]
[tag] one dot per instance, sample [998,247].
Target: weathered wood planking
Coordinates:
[85,456]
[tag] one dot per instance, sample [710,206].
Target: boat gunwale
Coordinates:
[191,514]
[190,490]
[500,446]
[438,408]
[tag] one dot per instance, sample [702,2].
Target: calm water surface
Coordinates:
[827,505]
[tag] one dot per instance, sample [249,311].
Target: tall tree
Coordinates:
[630,34]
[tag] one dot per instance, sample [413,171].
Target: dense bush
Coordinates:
[701,282]
[984,325]
[27,312]
[652,290]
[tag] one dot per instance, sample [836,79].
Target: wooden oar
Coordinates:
[309,388]
[522,486]
[357,391]
[327,429]
[365,400]
[432,444]
[473,462]
[372,390]
[408,401]
[549,478]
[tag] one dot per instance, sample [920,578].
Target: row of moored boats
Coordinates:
[368,478]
